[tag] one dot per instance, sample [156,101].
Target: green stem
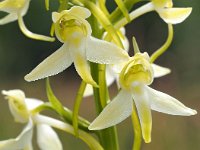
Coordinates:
[123,9]
[78,100]
[135,14]
[108,137]
[136,129]
[47,4]
[102,5]
[67,115]
[102,85]
[165,46]
[117,13]
[87,138]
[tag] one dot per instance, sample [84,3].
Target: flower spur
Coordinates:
[16,9]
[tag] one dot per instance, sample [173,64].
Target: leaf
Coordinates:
[56,104]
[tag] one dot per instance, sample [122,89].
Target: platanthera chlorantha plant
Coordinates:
[94,41]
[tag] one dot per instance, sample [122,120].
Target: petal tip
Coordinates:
[193,112]
[147,140]
[93,126]
[29,78]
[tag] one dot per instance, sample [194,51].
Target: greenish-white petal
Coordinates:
[80,11]
[9,18]
[160,71]
[75,11]
[88,90]
[56,16]
[165,103]
[32,103]
[47,138]
[174,15]
[77,51]
[142,102]
[29,146]
[110,75]
[52,65]
[125,43]
[115,112]
[104,52]
[25,8]
[21,141]
[17,105]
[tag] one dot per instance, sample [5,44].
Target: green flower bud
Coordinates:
[17,105]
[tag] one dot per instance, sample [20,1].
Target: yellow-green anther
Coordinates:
[123,8]
[138,69]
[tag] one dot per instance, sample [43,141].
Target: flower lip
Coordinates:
[138,69]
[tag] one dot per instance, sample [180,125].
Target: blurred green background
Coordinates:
[19,55]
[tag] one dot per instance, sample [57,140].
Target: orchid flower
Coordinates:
[113,71]
[74,31]
[16,9]
[21,108]
[134,79]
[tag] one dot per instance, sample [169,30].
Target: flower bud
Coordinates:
[17,105]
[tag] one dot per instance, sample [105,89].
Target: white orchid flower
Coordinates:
[74,31]
[16,9]
[21,108]
[113,71]
[134,79]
